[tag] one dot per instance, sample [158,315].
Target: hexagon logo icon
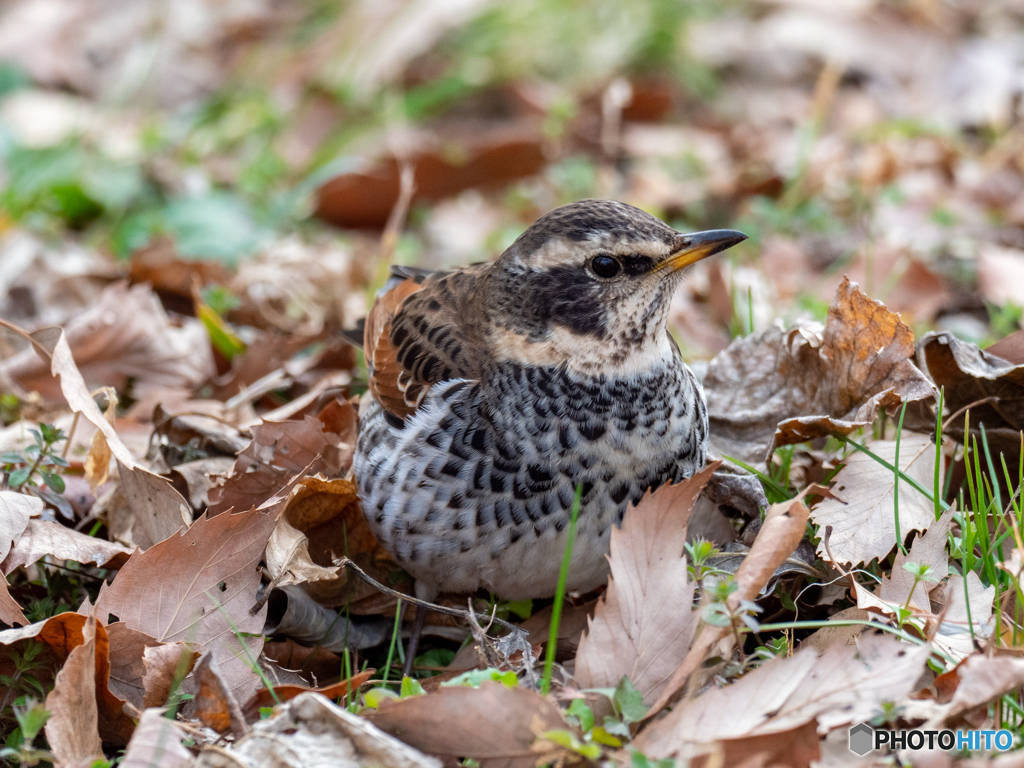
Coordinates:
[862,739]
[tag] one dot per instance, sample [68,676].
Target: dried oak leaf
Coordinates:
[44,537]
[780,534]
[193,587]
[157,743]
[488,155]
[861,507]
[643,626]
[125,335]
[492,724]
[782,387]
[322,522]
[846,684]
[898,588]
[73,728]
[969,374]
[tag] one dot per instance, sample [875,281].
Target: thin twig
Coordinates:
[958,412]
[422,603]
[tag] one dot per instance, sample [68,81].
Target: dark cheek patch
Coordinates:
[569,297]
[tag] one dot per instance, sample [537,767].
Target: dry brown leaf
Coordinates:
[780,534]
[841,634]
[141,668]
[322,522]
[293,613]
[43,537]
[314,664]
[201,476]
[928,549]
[978,680]
[15,511]
[193,586]
[73,728]
[288,560]
[97,462]
[126,334]
[782,387]
[961,628]
[492,724]
[159,509]
[968,375]
[283,693]
[165,665]
[278,451]
[62,634]
[10,611]
[311,732]
[643,626]
[894,590]
[861,509]
[844,685]
[1010,348]
[215,707]
[156,743]
[126,666]
[489,155]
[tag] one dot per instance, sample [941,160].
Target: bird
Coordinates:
[497,390]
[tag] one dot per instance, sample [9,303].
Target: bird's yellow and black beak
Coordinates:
[692,248]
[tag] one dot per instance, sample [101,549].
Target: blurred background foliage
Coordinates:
[876,138]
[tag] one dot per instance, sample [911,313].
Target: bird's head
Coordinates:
[590,284]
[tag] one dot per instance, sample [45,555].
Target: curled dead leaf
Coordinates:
[969,375]
[786,386]
[73,728]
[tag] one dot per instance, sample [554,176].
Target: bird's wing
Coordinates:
[423,328]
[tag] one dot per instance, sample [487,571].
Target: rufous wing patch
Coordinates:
[382,355]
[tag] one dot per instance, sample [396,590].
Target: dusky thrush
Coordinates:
[495,390]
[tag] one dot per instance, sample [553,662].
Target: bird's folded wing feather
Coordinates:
[423,328]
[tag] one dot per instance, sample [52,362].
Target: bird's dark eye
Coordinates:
[605,266]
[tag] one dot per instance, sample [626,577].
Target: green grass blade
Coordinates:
[896,482]
[394,637]
[903,475]
[937,490]
[769,482]
[556,608]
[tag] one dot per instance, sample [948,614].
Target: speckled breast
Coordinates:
[475,490]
